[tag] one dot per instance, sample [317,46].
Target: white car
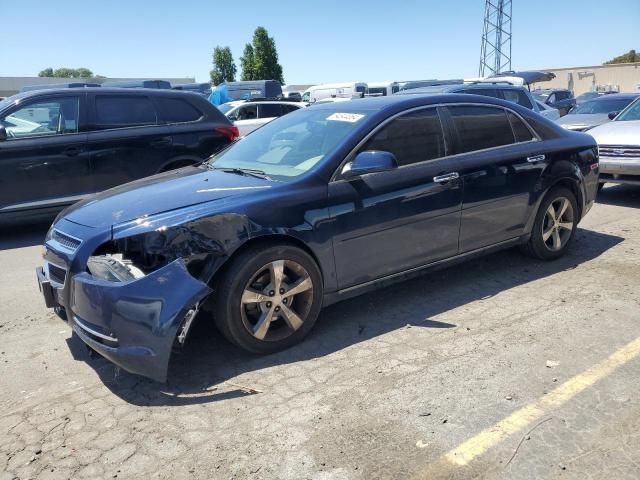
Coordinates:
[619,146]
[249,115]
[548,112]
[334,90]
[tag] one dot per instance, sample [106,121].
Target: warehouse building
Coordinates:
[620,77]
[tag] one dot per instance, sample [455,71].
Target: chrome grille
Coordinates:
[620,151]
[65,240]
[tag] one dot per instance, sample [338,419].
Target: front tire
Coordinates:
[268,299]
[555,225]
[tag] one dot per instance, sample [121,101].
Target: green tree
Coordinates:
[84,72]
[630,57]
[224,69]
[247,62]
[260,58]
[66,72]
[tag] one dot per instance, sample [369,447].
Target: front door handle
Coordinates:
[536,158]
[447,177]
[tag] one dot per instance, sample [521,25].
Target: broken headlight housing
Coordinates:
[113,268]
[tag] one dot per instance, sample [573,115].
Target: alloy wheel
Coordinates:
[557,226]
[276,300]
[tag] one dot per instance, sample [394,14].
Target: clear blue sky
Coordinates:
[319,41]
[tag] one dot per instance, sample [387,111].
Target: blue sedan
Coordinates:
[320,205]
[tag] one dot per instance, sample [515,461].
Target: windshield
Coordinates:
[632,112]
[5,103]
[225,107]
[601,106]
[542,96]
[290,145]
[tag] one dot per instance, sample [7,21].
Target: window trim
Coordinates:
[21,105]
[336,176]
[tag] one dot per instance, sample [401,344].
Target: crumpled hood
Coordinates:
[584,120]
[617,133]
[161,193]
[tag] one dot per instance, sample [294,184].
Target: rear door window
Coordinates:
[269,110]
[177,110]
[118,111]
[517,96]
[246,112]
[479,128]
[412,138]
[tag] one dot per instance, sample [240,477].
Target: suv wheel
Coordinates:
[555,225]
[269,298]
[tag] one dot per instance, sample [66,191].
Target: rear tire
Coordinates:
[555,225]
[255,305]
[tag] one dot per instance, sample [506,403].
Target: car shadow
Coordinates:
[620,195]
[23,234]
[203,371]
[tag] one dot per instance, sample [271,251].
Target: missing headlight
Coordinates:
[113,268]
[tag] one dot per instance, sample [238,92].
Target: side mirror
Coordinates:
[3,133]
[371,161]
[613,115]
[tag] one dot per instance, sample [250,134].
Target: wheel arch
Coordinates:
[268,240]
[568,181]
[573,184]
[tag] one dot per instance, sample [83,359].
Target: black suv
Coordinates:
[559,98]
[60,145]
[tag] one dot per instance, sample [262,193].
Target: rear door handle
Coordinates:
[161,142]
[72,151]
[536,158]
[447,177]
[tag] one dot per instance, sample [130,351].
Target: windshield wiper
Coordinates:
[250,172]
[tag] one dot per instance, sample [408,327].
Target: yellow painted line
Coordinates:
[520,419]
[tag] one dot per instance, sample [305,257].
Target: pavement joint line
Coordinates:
[476,446]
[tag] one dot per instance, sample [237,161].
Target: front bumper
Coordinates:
[619,166]
[133,324]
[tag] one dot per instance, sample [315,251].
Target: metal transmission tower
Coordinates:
[495,53]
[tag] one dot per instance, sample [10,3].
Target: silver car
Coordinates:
[597,111]
[619,147]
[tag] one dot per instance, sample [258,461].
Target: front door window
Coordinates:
[46,117]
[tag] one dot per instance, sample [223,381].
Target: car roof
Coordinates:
[613,96]
[57,91]
[433,89]
[402,102]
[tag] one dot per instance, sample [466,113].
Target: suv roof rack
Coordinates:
[491,82]
[50,86]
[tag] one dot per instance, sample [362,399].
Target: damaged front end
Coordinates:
[133,292]
[134,323]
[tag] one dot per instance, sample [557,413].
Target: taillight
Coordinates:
[231,132]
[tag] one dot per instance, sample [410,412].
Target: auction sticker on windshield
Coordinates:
[345,117]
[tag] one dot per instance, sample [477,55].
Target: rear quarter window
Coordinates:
[177,110]
[520,130]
